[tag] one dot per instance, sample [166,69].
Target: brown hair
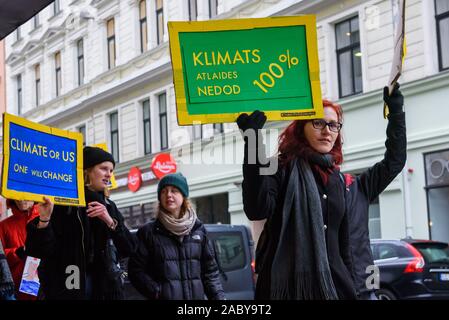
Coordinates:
[186,205]
[293,144]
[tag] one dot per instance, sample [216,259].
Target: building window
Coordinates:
[197,131]
[80,59]
[146,126]
[437,187]
[37,83]
[111,43]
[218,128]
[349,57]
[213,4]
[159,21]
[113,120]
[56,7]
[213,209]
[19,94]
[374,220]
[36,21]
[82,130]
[442,22]
[143,25]
[137,215]
[163,120]
[193,10]
[58,76]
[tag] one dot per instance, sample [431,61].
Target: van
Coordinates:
[234,250]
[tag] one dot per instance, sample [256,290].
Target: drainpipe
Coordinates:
[407,206]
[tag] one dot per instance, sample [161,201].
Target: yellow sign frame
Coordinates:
[309,21]
[21,195]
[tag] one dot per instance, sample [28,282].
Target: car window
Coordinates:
[387,251]
[433,252]
[374,251]
[229,249]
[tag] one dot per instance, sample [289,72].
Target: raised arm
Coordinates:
[374,180]
[259,191]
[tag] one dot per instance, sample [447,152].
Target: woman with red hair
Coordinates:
[315,242]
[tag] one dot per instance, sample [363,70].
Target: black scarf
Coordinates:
[300,268]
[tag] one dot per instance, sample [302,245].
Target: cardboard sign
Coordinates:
[41,161]
[224,68]
[400,50]
[30,281]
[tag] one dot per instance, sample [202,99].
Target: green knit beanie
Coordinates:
[176,180]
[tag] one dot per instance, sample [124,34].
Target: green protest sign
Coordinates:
[224,68]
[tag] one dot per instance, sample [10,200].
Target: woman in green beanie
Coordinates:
[175,260]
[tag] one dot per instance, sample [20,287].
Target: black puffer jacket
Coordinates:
[72,239]
[165,268]
[263,198]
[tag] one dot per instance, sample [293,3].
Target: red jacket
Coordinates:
[13,236]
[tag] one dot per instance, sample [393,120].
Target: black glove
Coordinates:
[255,120]
[20,252]
[395,101]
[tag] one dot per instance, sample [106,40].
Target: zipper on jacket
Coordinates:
[82,232]
[82,245]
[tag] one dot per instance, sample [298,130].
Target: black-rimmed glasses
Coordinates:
[320,124]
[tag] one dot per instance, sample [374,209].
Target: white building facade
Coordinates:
[103,68]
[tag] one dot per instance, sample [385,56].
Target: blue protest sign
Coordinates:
[41,161]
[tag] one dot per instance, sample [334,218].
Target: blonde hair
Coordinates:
[87,183]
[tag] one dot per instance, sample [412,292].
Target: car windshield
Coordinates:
[434,252]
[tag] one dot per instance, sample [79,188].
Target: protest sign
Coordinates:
[222,68]
[41,161]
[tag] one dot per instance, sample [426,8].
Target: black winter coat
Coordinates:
[347,235]
[73,239]
[164,267]
[364,189]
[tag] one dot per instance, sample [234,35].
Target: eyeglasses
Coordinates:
[320,124]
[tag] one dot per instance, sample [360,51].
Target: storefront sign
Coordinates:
[134,179]
[41,161]
[163,164]
[222,68]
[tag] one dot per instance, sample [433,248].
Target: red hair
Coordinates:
[293,143]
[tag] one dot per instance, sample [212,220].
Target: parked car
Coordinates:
[234,249]
[412,269]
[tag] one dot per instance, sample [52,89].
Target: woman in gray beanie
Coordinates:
[80,247]
[175,260]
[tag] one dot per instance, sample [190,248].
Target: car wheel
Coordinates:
[385,294]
